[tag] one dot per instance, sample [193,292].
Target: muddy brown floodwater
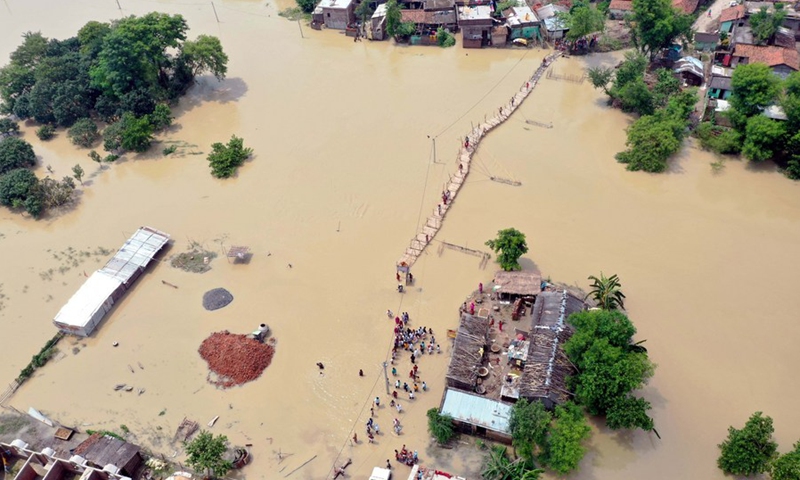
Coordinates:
[708,260]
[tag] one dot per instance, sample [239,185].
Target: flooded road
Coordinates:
[342,169]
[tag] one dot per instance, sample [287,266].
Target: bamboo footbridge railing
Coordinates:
[434,221]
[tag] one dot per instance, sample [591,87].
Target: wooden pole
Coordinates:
[215,11]
[301,28]
[301,466]
[386,376]
[119,6]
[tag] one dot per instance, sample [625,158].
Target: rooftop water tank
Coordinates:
[19,444]
[48,451]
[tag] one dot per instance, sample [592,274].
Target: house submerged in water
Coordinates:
[496,360]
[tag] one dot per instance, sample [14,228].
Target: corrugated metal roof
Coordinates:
[135,254]
[87,300]
[476,410]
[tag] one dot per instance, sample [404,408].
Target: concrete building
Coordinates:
[336,14]
[523,23]
[732,17]
[476,26]
[377,25]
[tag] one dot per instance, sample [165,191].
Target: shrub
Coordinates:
[83,133]
[718,139]
[444,38]
[45,132]
[440,426]
[8,127]
[225,159]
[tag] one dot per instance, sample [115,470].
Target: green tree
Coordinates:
[444,38]
[509,246]
[651,142]
[77,172]
[667,85]
[764,25]
[656,24]
[394,18]
[440,426]
[718,139]
[636,97]
[8,127]
[129,134]
[748,451]
[307,6]
[83,133]
[754,88]
[205,454]
[225,159]
[54,193]
[762,138]
[18,190]
[601,77]
[584,20]
[791,101]
[136,53]
[786,466]
[205,55]
[629,412]
[591,326]
[607,292]
[570,430]
[364,11]
[15,153]
[631,69]
[91,37]
[161,117]
[529,425]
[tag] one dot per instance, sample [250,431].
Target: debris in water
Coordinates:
[213,421]
[119,386]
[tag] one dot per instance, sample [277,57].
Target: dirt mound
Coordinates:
[234,359]
[216,299]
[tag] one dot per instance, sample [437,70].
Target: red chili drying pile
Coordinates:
[234,359]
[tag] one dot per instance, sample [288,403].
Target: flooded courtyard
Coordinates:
[343,172]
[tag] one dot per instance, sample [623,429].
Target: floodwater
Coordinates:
[341,175]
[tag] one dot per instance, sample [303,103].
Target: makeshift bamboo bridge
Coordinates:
[434,222]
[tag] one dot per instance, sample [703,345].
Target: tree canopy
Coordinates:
[509,246]
[130,66]
[565,448]
[529,425]
[656,24]
[748,451]
[15,153]
[18,190]
[610,367]
[754,87]
[583,20]
[440,426]
[786,466]
[764,25]
[205,454]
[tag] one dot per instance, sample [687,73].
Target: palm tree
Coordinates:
[606,292]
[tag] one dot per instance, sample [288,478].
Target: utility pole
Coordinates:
[386,376]
[301,28]
[215,11]
[119,6]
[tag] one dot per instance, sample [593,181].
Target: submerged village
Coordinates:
[521,378]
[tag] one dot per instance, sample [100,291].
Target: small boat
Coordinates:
[520,42]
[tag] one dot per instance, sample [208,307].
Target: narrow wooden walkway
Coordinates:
[434,221]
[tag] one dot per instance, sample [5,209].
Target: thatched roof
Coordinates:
[468,349]
[103,450]
[547,309]
[545,374]
[518,283]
